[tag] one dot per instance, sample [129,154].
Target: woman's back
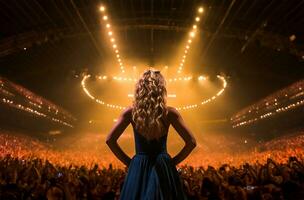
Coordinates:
[154,146]
[151,171]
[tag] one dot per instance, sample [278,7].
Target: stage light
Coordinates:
[192,34]
[110,33]
[201,78]
[108,25]
[112,40]
[114,46]
[194,26]
[116,51]
[197,19]
[105,17]
[102,8]
[189,41]
[200,9]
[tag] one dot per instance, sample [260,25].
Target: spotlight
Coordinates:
[112,40]
[102,8]
[200,9]
[105,17]
[108,25]
[201,78]
[197,19]
[192,34]
[110,33]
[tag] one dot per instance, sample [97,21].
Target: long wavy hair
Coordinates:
[149,105]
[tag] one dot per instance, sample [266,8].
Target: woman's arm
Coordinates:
[190,143]
[121,124]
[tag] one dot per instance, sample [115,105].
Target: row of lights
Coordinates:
[32,111]
[31,99]
[293,91]
[224,85]
[110,34]
[120,78]
[271,102]
[83,83]
[187,78]
[269,114]
[192,34]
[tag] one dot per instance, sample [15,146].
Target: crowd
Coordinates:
[276,173]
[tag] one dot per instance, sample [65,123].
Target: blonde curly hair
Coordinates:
[149,105]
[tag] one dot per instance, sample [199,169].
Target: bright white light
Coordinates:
[192,34]
[201,78]
[102,8]
[197,19]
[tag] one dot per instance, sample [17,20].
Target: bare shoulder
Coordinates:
[127,112]
[172,112]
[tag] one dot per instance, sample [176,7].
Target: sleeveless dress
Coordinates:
[151,173]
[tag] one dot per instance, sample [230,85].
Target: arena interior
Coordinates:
[234,69]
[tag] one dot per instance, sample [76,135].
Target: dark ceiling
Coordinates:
[248,40]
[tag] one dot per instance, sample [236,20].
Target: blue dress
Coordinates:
[151,173]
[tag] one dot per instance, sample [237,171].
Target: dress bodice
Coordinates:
[150,147]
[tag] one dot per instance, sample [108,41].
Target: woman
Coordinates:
[152,172]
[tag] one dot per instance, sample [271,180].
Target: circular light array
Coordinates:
[185,107]
[112,39]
